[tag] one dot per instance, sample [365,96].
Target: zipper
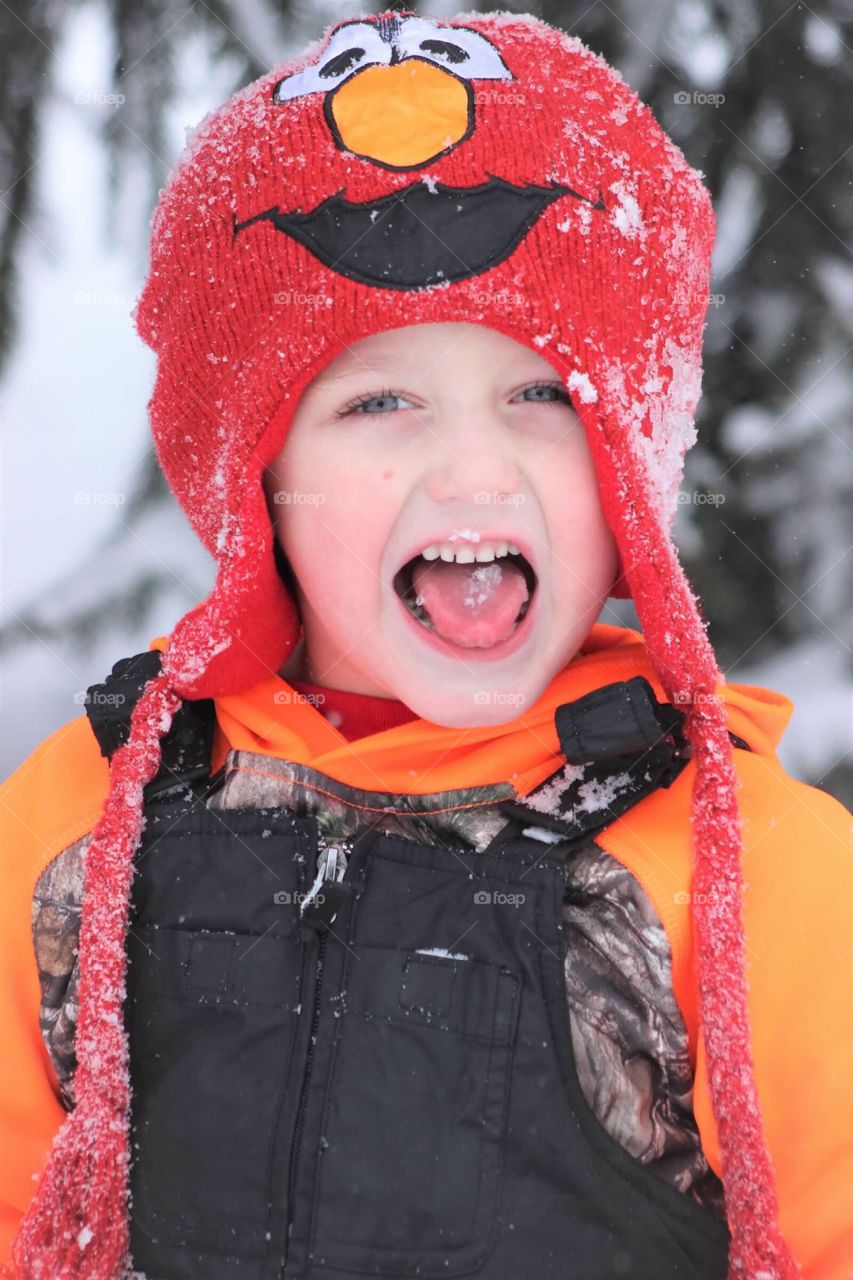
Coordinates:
[331,866]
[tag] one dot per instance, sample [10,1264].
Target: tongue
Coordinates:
[474,605]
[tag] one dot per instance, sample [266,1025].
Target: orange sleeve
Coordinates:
[50,801]
[798,917]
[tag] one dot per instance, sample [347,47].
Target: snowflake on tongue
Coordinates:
[486,577]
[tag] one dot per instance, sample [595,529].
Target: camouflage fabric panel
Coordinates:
[56,926]
[629,1037]
[466,817]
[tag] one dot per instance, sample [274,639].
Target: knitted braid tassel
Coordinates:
[685,663]
[76,1227]
[758,1250]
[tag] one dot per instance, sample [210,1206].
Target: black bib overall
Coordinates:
[356,1060]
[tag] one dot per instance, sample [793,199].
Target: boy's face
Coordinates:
[451,441]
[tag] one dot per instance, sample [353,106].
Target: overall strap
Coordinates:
[186,747]
[620,743]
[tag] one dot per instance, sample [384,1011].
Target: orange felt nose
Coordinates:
[401,115]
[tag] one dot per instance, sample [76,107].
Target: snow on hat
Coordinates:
[488,169]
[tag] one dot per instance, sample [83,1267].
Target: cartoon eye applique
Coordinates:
[466,52]
[352,46]
[398,91]
[356,45]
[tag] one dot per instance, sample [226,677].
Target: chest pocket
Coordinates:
[211,1017]
[422,1035]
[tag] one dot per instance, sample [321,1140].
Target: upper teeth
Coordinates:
[465,555]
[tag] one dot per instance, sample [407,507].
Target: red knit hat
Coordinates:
[487,169]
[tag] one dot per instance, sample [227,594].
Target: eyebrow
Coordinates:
[377,364]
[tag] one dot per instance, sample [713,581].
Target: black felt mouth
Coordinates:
[404,585]
[420,235]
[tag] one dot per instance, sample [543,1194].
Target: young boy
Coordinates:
[392,916]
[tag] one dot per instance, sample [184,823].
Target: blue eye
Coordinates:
[361,404]
[562,396]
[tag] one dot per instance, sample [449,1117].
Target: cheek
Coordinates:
[300,508]
[570,496]
[335,533]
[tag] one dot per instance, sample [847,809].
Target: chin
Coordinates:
[472,708]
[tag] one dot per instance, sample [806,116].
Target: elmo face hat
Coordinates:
[488,169]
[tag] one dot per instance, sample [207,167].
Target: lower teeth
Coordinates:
[417,611]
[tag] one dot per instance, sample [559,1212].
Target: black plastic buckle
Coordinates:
[186,748]
[618,720]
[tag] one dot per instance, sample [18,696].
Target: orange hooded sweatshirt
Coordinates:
[798,910]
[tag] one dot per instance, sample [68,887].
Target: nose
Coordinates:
[476,464]
[402,114]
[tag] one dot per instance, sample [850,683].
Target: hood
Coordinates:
[420,757]
[760,716]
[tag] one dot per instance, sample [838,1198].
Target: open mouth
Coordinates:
[476,586]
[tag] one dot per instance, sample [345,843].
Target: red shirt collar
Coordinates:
[355,715]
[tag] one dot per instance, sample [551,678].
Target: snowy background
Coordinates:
[96,557]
